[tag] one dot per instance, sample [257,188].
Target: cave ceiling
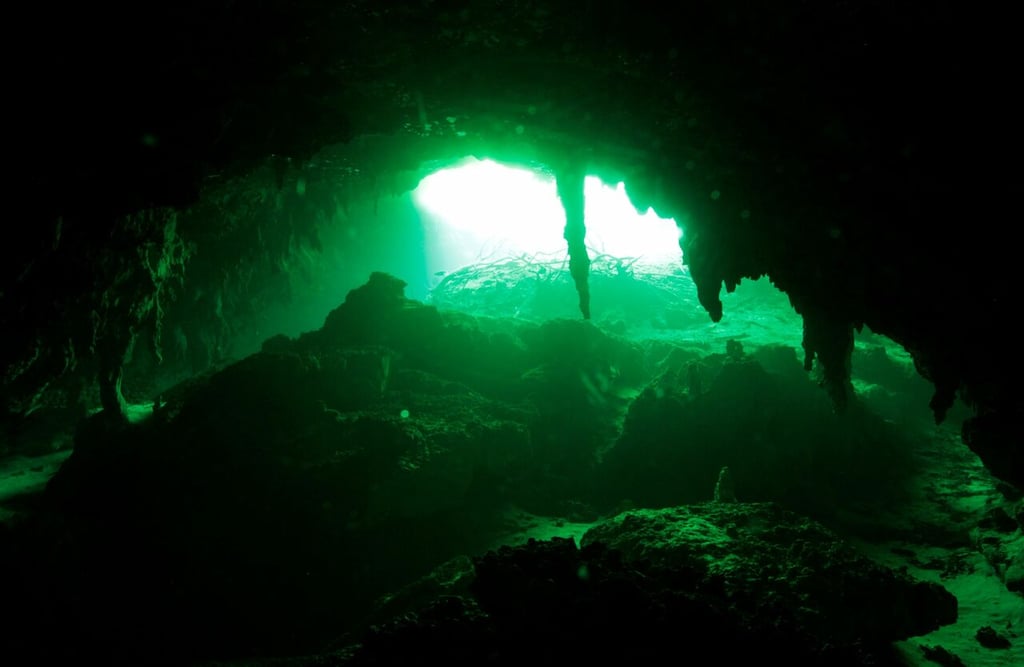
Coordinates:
[858,154]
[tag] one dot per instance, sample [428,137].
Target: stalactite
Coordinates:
[130,279]
[703,256]
[570,179]
[831,342]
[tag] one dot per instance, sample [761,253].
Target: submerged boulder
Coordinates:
[747,583]
[778,567]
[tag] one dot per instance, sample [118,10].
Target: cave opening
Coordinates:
[480,210]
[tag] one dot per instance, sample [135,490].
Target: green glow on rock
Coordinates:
[483,211]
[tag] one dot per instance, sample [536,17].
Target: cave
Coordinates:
[296,370]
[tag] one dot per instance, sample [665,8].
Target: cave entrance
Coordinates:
[494,244]
[481,210]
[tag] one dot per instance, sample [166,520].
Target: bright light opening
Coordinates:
[482,211]
[615,228]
